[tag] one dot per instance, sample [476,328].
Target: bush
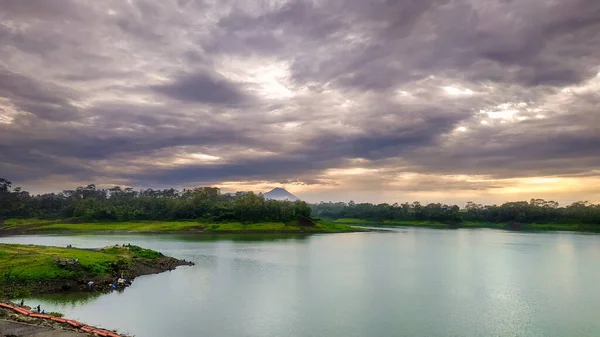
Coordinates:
[143,253]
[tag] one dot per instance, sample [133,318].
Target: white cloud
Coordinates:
[454,91]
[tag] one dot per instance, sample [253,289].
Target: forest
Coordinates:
[209,204]
[533,211]
[123,204]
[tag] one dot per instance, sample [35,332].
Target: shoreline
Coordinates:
[68,270]
[15,318]
[63,270]
[8,233]
[182,227]
[354,228]
[101,283]
[514,227]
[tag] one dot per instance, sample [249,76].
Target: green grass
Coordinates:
[27,263]
[238,226]
[562,227]
[169,226]
[12,223]
[25,269]
[474,224]
[366,222]
[353,221]
[134,226]
[321,227]
[533,226]
[471,224]
[24,263]
[133,251]
[332,227]
[416,223]
[339,225]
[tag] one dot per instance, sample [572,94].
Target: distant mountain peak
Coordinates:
[279,193]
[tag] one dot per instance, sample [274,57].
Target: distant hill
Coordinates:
[279,193]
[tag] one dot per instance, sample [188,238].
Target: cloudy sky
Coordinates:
[370,100]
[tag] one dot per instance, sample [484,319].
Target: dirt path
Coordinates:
[17,329]
[19,321]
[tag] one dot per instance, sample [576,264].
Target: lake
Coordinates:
[406,282]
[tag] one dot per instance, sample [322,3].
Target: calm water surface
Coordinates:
[408,282]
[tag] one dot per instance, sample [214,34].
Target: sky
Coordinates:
[365,100]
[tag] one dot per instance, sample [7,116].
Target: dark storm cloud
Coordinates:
[45,100]
[563,144]
[139,135]
[380,143]
[311,28]
[203,88]
[22,88]
[278,168]
[320,153]
[46,9]
[398,40]
[25,164]
[284,91]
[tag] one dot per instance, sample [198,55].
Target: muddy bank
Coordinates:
[18,329]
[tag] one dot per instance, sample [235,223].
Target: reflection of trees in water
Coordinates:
[72,299]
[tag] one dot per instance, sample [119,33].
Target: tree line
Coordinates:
[208,203]
[123,204]
[534,211]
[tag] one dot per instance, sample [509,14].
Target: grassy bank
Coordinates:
[15,222]
[470,224]
[38,269]
[365,222]
[26,226]
[320,227]
[33,226]
[131,226]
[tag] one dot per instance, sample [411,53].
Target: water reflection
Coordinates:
[63,299]
[407,282]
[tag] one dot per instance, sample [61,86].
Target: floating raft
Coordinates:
[73,323]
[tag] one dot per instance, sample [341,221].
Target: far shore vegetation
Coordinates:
[574,227]
[536,214]
[206,209]
[34,225]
